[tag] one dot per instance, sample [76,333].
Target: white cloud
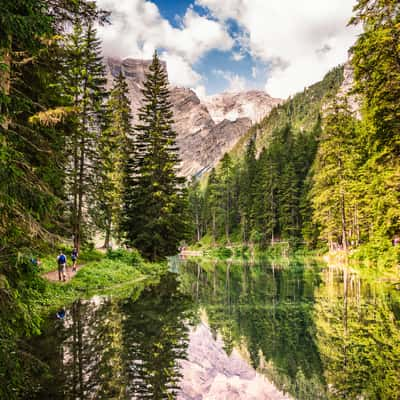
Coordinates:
[236,82]
[138,28]
[201,92]
[237,56]
[180,71]
[301,40]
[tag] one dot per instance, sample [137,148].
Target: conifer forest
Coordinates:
[281,256]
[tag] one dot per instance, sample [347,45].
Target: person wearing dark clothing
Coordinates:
[74,257]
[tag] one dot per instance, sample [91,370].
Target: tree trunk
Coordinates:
[343,215]
[5,81]
[214,226]
[108,234]
[198,226]
[81,181]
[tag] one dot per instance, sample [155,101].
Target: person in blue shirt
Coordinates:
[62,266]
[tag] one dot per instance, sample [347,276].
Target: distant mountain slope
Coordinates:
[301,111]
[206,131]
[254,104]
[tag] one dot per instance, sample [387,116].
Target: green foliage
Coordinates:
[113,145]
[131,257]
[84,86]
[336,167]
[356,175]
[266,199]
[154,216]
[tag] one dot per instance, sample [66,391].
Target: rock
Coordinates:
[254,104]
[205,131]
[346,88]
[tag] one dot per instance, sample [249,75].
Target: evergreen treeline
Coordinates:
[267,199]
[326,173]
[260,199]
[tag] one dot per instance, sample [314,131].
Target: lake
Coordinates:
[213,330]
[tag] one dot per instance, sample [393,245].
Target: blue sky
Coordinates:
[230,45]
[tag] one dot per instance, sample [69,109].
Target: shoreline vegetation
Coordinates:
[382,262]
[115,272]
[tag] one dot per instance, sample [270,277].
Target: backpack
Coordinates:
[62,259]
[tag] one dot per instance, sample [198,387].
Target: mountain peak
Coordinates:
[206,129]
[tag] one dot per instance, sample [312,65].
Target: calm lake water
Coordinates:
[219,330]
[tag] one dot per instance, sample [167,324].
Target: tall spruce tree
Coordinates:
[246,189]
[155,204]
[376,63]
[85,85]
[112,150]
[334,171]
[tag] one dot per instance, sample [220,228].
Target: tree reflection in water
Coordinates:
[316,332]
[107,349]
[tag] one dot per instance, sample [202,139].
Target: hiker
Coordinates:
[62,265]
[60,314]
[36,261]
[74,257]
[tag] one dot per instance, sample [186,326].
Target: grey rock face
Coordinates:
[346,88]
[205,132]
[254,104]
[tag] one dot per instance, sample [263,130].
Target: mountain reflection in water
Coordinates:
[310,332]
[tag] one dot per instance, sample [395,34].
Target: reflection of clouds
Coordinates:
[324,50]
[209,373]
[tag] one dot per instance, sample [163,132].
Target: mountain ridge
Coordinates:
[206,130]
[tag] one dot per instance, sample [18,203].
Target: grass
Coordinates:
[49,263]
[117,273]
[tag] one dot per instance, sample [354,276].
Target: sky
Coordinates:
[212,46]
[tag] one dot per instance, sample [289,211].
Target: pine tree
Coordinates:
[376,63]
[289,202]
[246,183]
[265,205]
[226,191]
[115,138]
[196,207]
[212,203]
[85,84]
[334,170]
[155,208]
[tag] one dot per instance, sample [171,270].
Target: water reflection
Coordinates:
[106,349]
[318,333]
[267,309]
[315,332]
[358,335]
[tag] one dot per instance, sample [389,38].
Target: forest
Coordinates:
[318,172]
[315,173]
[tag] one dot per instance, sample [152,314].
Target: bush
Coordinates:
[131,257]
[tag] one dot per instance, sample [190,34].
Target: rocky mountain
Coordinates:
[254,104]
[206,130]
[346,88]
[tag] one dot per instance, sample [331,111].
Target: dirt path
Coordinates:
[53,275]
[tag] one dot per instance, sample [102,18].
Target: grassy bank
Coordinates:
[119,273]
